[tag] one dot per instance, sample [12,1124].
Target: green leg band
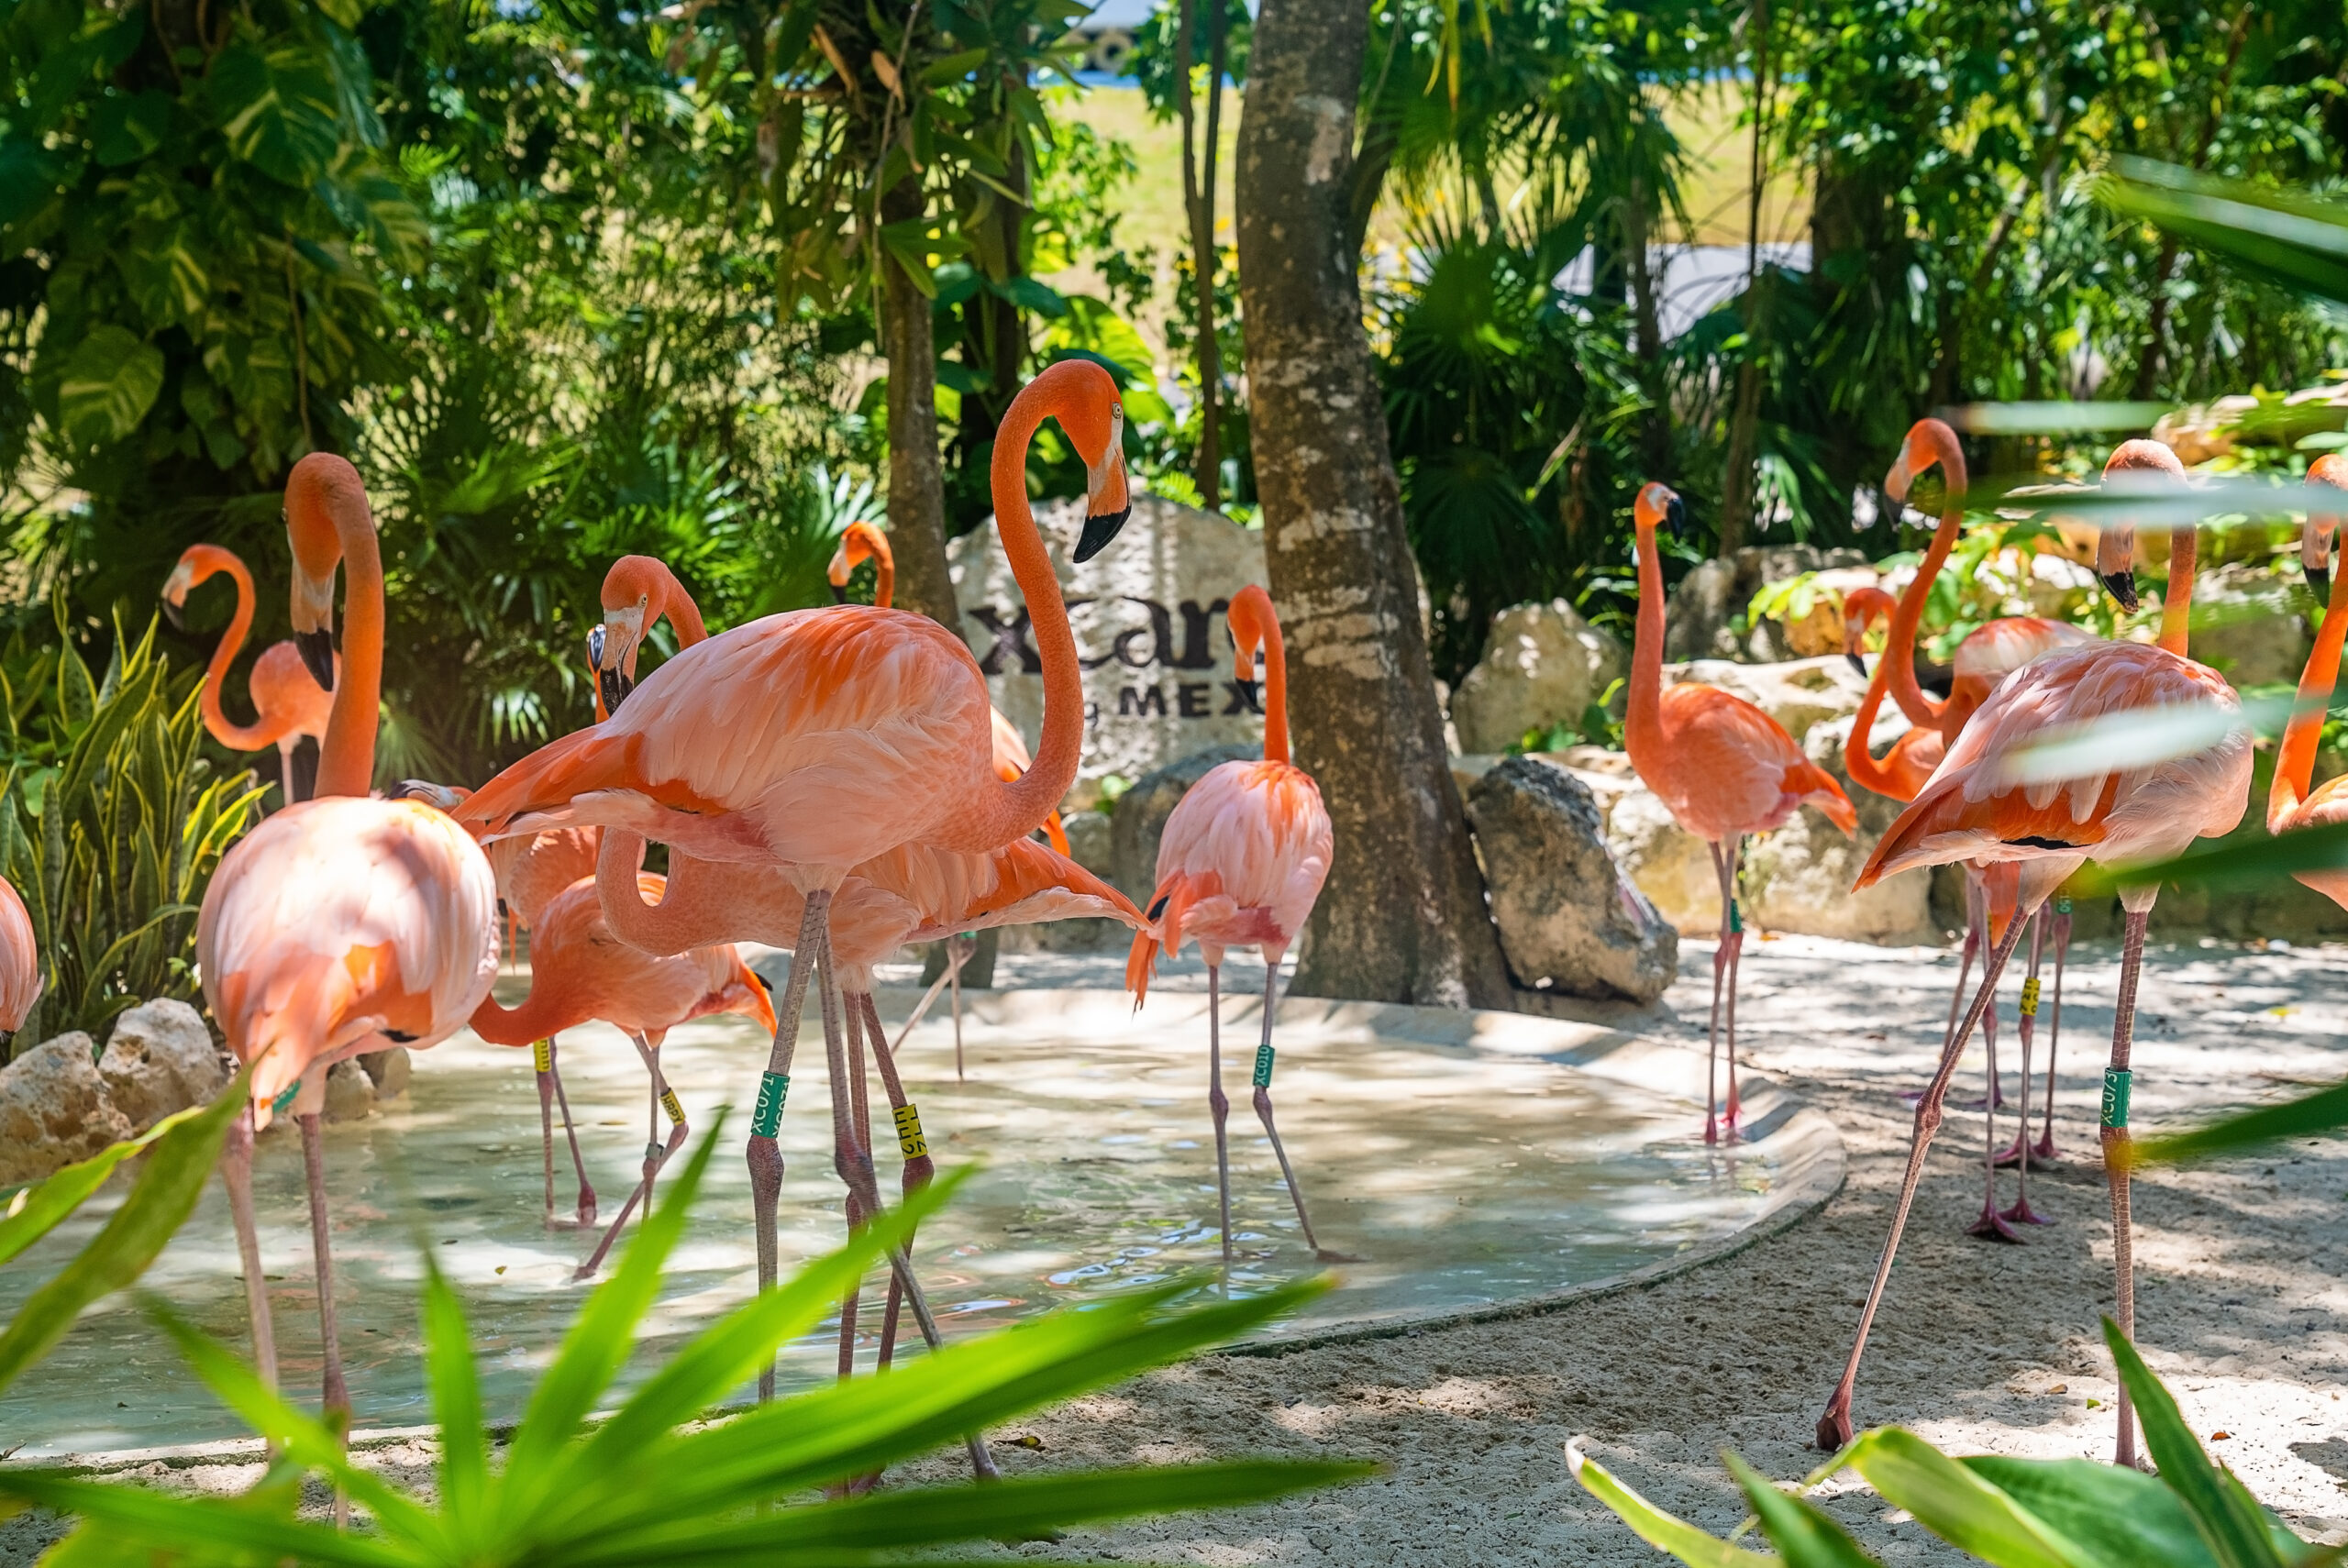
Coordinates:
[1735,919]
[2062,906]
[2116,1083]
[285,1098]
[766,1121]
[1263,1067]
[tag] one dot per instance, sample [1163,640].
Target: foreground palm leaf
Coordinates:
[651,1485]
[2283,238]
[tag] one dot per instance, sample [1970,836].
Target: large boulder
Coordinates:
[1570,919]
[1142,812]
[1543,665]
[54,1109]
[1798,693]
[1671,865]
[2246,625]
[1713,599]
[389,1069]
[159,1060]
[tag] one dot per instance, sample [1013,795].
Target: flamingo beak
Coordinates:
[1857,663]
[1896,483]
[1674,517]
[318,656]
[172,613]
[1107,503]
[839,594]
[2319,583]
[2122,587]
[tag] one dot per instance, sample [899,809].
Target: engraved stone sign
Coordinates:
[1148,616]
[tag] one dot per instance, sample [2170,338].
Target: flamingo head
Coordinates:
[439,797]
[1861,608]
[1658,505]
[190,569]
[2144,468]
[1928,444]
[1093,418]
[635,594]
[2326,476]
[321,488]
[859,542]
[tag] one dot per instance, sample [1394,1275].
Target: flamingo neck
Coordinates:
[884,568]
[347,757]
[683,613]
[1858,759]
[235,737]
[1898,666]
[1642,714]
[2294,763]
[2176,602]
[1275,694]
[537,1016]
[663,929]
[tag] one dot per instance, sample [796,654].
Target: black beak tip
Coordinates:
[839,594]
[1857,663]
[1674,517]
[2122,587]
[615,687]
[175,613]
[596,646]
[2320,582]
[1098,531]
[318,656]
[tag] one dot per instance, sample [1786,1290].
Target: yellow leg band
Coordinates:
[542,1054]
[910,1143]
[669,1103]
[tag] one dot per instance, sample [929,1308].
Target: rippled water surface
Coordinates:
[1455,1177]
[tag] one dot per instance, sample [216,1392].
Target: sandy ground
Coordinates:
[1981,1347]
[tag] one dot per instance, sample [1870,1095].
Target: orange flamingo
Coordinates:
[1985,804]
[288,702]
[1722,766]
[581,973]
[2293,802]
[1240,864]
[343,923]
[19,965]
[812,742]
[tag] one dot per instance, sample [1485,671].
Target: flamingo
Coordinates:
[1722,766]
[2293,802]
[1981,807]
[1240,864]
[343,923]
[288,702]
[581,973]
[19,965]
[808,743]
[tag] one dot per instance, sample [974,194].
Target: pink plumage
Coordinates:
[19,961]
[1240,864]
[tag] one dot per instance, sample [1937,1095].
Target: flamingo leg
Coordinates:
[2018,1153]
[911,1143]
[586,1209]
[1720,970]
[2117,1081]
[236,1175]
[337,1398]
[855,1168]
[921,1008]
[762,1153]
[1219,1107]
[1991,1226]
[2045,1150]
[1264,1105]
[285,768]
[656,1154]
[1963,975]
[1735,960]
[859,1092]
[1835,1425]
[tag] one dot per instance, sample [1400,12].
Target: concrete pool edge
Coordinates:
[1805,1149]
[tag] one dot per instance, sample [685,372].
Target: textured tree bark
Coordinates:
[1403,917]
[916,480]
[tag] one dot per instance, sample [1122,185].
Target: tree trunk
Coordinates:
[1198,193]
[1654,424]
[1403,917]
[916,480]
[1738,472]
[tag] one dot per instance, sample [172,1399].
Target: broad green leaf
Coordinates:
[2293,241]
[279,110]
[158,1205]
[2224,1513]
[111,380]
[2258,862]
[2123,1518]
[127,126]
[1652,1525]
[1800,1530]
[456,1400]
[40,1209]
[29,174]
[1959,1506]
[170,1526]
[2319,1112]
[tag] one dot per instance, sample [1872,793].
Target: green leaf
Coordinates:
[2222,1511]
[170,1526]
[2284,238]
[456,1400]
[2123,1518]
[1652,1525]
[278,110]
[1959,1506]
[158,1205]
[1800,1530]
[40,1209]
[953,67]
[111,380]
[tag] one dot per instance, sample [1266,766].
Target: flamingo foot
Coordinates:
[1834,1431]
[1711,1128]
[2022,1213]
[2044,1152]
[1992,1227]
[2012,1154]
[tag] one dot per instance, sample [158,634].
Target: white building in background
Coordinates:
[1108,37]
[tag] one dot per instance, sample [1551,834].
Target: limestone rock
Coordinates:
[1800,877]
[1091,840]
[1797,693]
[1147,612]
[1543,665]
[1142,812]
[350,1093]
[159,1060]
[389,1069]
[2246,626]
[1568,916]
[1716,593]
[1671,865]
[54,1109]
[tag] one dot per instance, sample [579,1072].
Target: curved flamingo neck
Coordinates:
[1642,713]
[1859,760]
[1275,693]
[884,565]
[1899,645]
[542,1013]
[346,759]
[208,560]
[2176,600]
[2295,763]
[683,613]
[669,927]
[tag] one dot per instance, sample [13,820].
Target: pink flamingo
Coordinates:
[343,923]
[1240,864]
[19,965]
[812,742]
[1983,805]
[288,702]
[2293,801]
[1722,766]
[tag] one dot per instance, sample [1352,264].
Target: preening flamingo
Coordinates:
[1240,864]
[582,973]
[343,923]
[19,964]
[1985,804]
[2293,802]
[288,702]
[812,742]
[1722,766]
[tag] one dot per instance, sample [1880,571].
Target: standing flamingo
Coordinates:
[1240,864]
[1983,805]
[343,923]
[19,965]
[1722,766]
[810,742]
[2293,802]
[288,702]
